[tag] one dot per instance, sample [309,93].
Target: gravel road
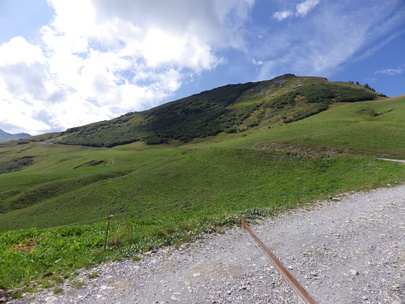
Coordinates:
[348,250]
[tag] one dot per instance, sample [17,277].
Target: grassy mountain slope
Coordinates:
[160,194]
[373,128]
[64,184]
[230,109]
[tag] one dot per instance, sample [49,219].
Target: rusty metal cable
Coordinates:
[288,277]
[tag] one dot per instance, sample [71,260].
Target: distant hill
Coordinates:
[230,109]
[4,136]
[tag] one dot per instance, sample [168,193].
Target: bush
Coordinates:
[156,140]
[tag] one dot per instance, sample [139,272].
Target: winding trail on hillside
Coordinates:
[347,250]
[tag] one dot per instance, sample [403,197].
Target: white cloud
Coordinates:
[391,72]
[99,59]
[257,62]
[301,10]
[304,7]
[18,50]
[282,15]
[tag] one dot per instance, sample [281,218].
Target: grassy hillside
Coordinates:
[374,128]
[167,193]
[209,181]
[229,109]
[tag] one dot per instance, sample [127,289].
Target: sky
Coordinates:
[69,63]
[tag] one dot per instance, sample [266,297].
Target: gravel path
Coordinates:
[346,251]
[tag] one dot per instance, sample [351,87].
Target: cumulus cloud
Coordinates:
[98,59]
[18,50]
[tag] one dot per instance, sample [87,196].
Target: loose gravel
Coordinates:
[347,250]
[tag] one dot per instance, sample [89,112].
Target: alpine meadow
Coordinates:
[193,166]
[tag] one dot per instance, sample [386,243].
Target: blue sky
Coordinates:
[69,63]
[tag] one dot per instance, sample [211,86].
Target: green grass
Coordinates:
[344,128]
[177,198]
[173,193]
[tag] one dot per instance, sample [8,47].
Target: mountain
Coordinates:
[230,109]
[4,136]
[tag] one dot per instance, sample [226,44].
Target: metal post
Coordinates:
[106,232]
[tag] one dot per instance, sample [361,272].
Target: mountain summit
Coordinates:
[230,109]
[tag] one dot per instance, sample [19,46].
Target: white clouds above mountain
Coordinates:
[98,59]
